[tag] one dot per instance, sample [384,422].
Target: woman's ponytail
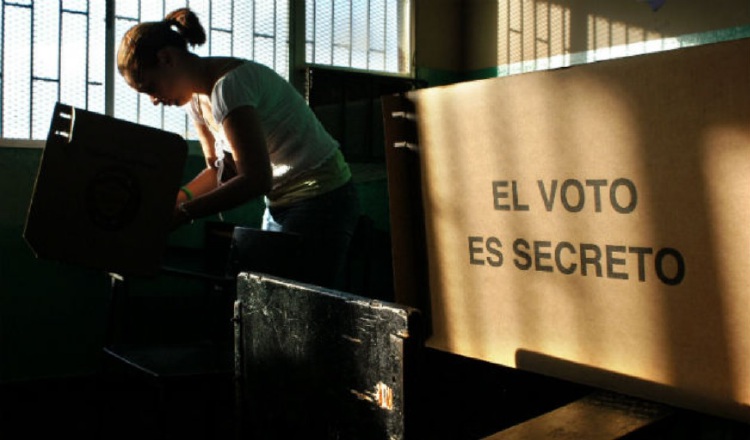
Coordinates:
[186,23]
[141,43]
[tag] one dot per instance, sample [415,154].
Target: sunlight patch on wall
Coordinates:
[726,171]
[532,35]
[540,35]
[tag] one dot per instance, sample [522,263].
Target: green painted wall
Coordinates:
[51,314]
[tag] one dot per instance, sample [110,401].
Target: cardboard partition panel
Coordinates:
[404,193]
[592,223]
[104,193]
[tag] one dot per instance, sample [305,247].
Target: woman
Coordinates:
[259,138]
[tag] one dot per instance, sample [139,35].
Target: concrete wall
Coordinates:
[501,32]
[438,55]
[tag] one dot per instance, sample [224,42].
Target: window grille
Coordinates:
[56,50]
[371,35]
[63,50]
[51,51]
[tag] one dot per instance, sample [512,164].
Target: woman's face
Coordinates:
[165,83]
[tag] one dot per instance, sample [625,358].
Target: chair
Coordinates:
[182,361]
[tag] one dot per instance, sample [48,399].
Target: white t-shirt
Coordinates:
[296,140]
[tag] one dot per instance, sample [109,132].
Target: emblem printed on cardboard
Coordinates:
[113,197]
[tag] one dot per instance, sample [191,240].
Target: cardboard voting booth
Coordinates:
[104,193]
[593,223]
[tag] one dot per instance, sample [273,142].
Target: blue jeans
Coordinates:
[326,223]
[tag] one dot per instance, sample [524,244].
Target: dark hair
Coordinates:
[142,42]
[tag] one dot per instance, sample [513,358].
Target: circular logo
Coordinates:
[112,199]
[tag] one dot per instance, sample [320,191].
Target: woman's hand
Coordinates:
[180,216]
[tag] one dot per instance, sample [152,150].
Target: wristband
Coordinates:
[187,192]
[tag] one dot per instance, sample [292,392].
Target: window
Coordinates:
[63,50]
[363,34]
[51,51]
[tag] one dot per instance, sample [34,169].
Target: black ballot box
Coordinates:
[104,193]
[317,363]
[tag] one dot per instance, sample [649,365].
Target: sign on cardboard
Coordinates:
[592,223]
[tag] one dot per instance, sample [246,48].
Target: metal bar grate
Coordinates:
[64,51]
[369,35]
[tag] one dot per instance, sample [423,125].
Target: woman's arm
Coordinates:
[206,180]
[247,141]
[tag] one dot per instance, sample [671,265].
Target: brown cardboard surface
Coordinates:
[592,223]
[104,192]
